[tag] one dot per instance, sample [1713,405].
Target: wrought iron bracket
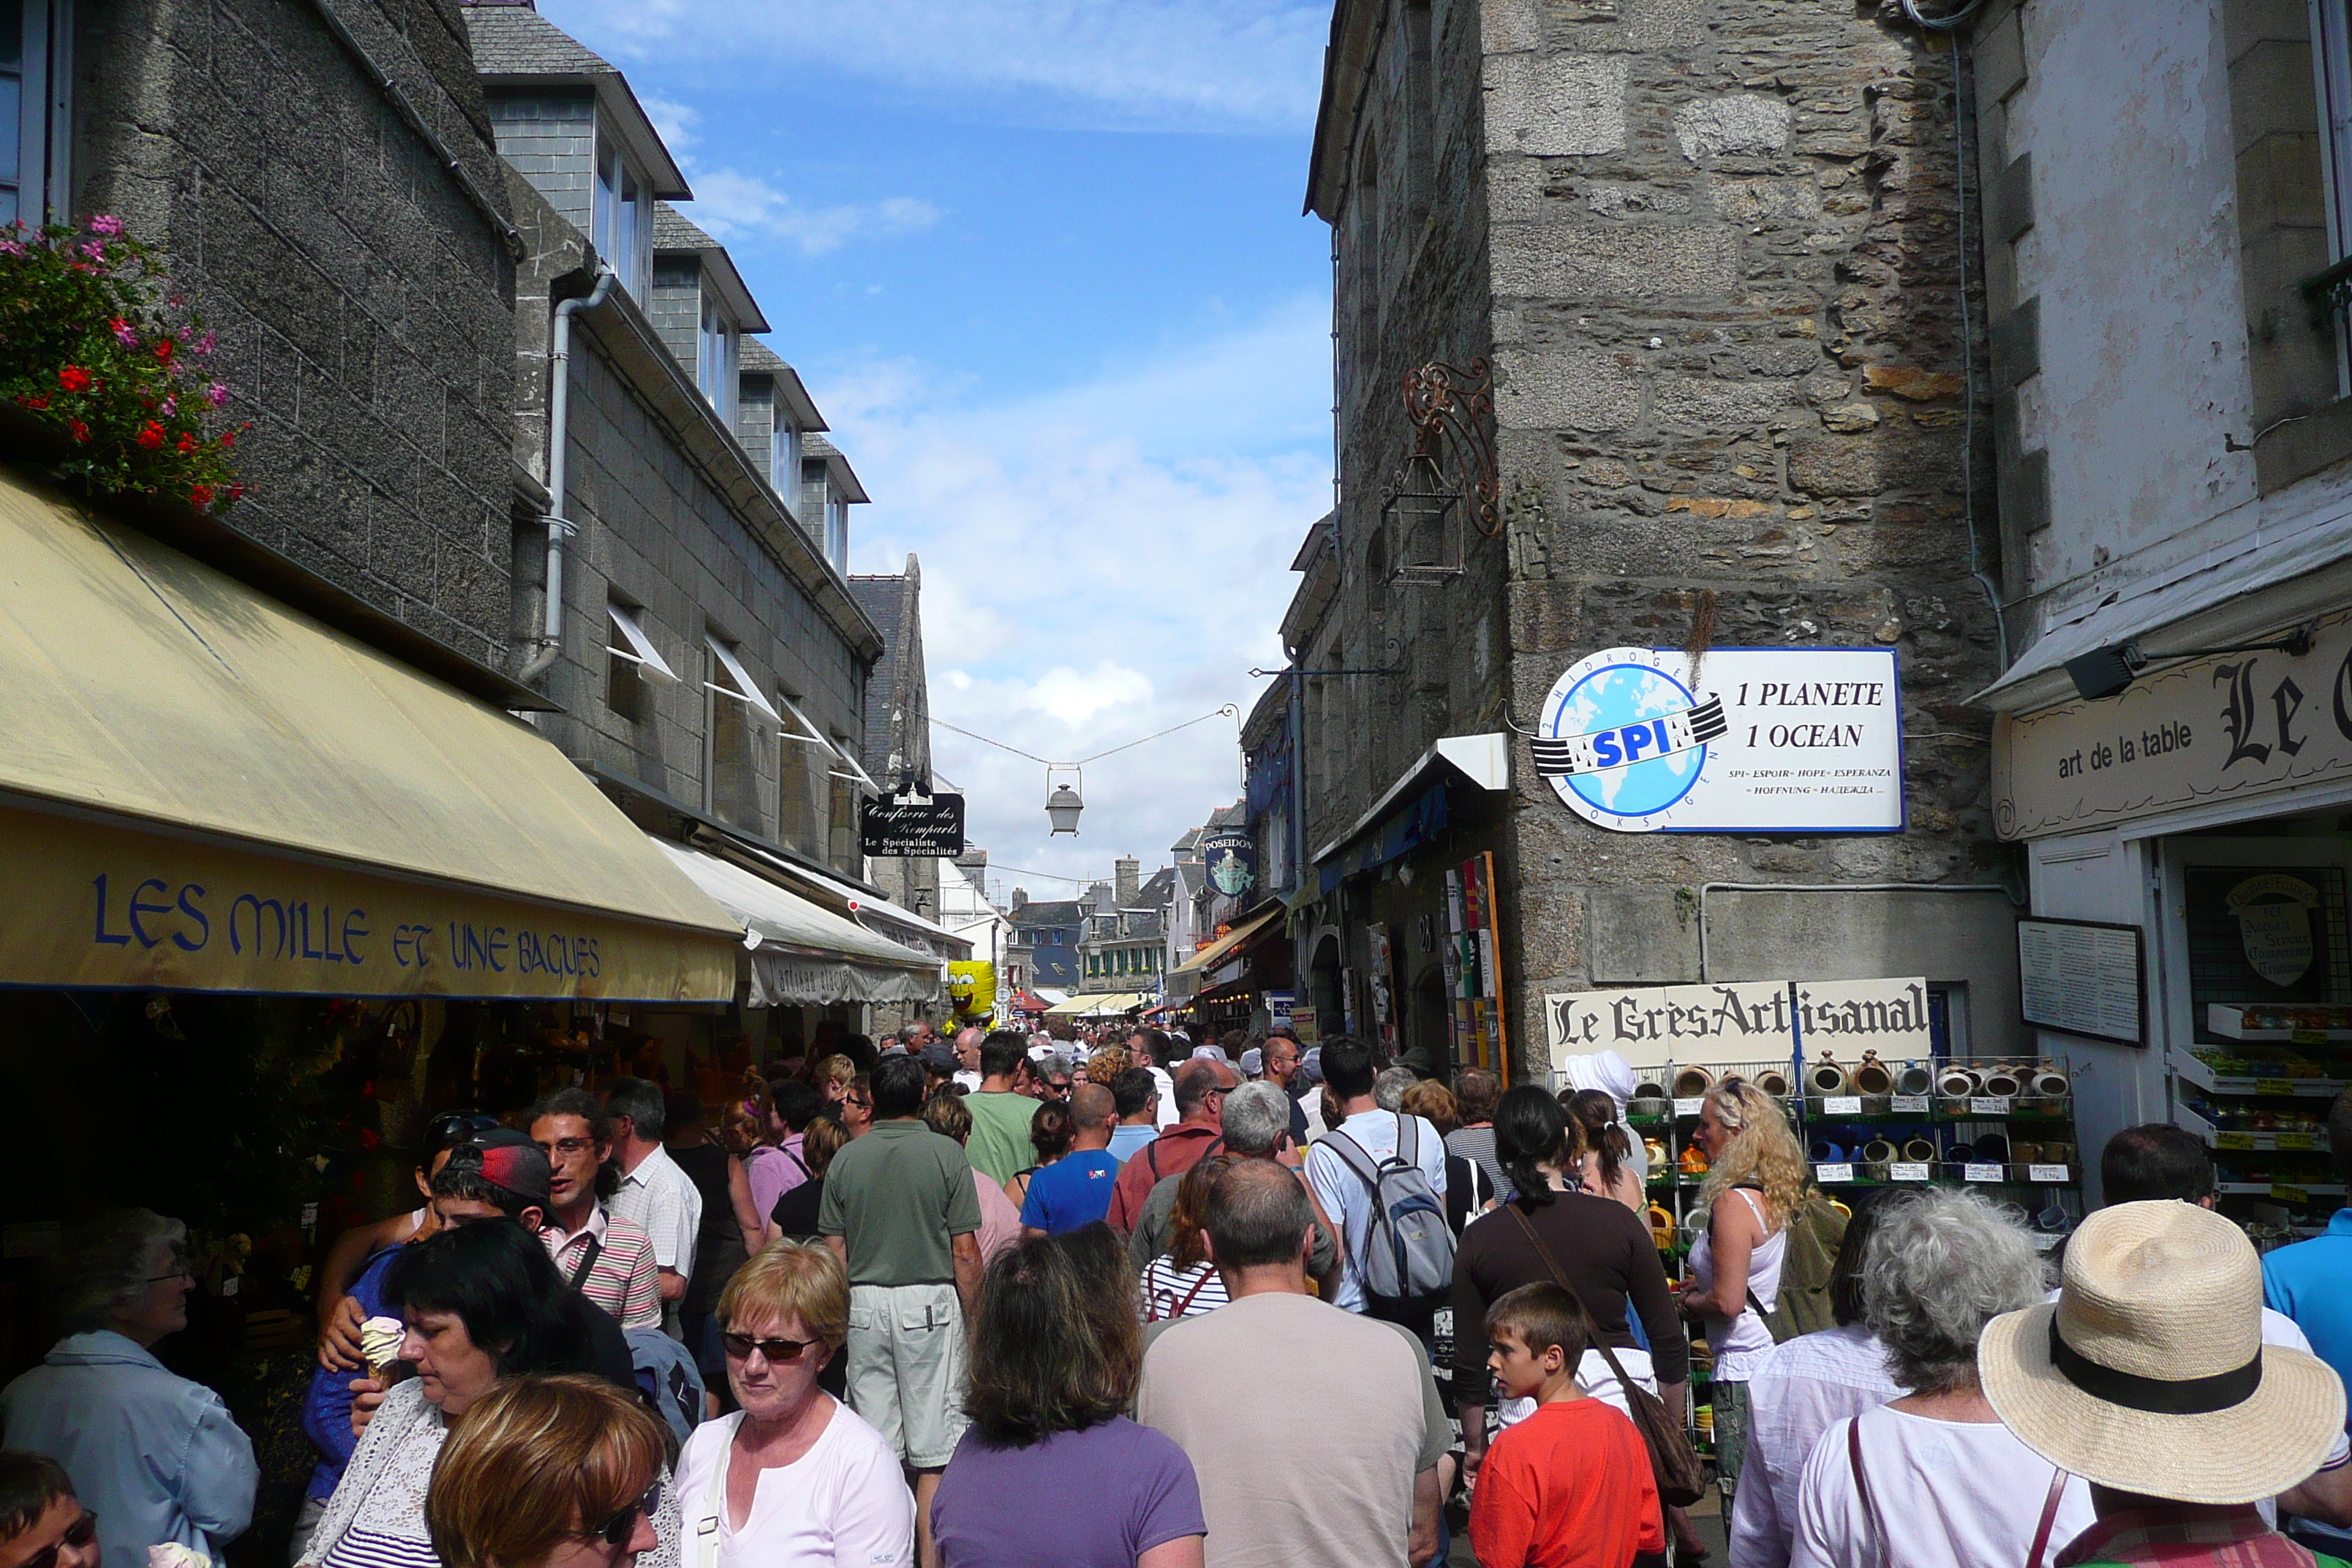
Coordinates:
[1450,406]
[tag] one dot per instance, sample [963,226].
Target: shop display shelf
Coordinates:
[2227,1020]
[2190,1070]
[2313,1141]
[2283,1192]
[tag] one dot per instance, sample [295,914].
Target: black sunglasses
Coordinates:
[741,1346]
[616,1531]
[78,1534]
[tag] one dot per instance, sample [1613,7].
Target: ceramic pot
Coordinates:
[1656,1151]
[2058,1154]
[1649,1105]
[1650,1089]
[1774,1082]
[1825,1153]
[1872,1077]
[1826,1078]
[1915,1078]
[1958,1083]
[1692,1082]
[1919,1149]
[1992,1148]
[2051,1084]
[2025,1153]
[1878,1152]
[2004,1083]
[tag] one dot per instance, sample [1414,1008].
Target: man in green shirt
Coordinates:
[900,1212]
[1000,1148]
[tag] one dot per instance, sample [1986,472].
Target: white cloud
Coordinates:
[730,205]
[1100,563]
[1212,63]
[673,121]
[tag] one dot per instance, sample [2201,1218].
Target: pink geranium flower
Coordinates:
[103,224]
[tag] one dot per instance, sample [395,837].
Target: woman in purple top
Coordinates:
[1057,1346]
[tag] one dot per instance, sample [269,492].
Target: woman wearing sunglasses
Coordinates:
[480,1303]
[794,1477]
[549,1472]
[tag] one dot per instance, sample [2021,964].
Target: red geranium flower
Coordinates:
[187,442]
[80,430]
[30,401]
[150,436]
[202,495]
[73,378]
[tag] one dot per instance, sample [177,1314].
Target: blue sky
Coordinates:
[1042,265]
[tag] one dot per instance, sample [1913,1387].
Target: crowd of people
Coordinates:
[1139,1302]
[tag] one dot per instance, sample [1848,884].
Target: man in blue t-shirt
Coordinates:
[1076,1189]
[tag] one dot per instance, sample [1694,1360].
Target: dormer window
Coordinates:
[784,458]
[836,534]
[714,359]
[623,219]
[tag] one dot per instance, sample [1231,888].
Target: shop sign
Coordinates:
[912,826]
[2224,727]
[1231,855]
[101,906]
[1754,740]
[1747,1020]
[1279,1006]
[1302,1023]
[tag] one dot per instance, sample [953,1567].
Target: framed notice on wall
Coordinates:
[2082,978]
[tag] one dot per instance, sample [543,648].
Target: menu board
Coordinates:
[2083,977]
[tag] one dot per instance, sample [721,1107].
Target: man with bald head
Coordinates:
[1200,1090]
[1076,1189]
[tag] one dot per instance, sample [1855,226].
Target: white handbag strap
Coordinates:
[714,1502]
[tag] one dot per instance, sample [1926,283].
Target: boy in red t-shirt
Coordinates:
[1570,1486]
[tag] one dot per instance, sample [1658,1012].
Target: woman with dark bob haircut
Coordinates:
[1057,1348]
[1605,1251]
[479,1302]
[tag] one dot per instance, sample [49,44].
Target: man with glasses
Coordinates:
[606,1258]
[1200,1090]
[42,1524]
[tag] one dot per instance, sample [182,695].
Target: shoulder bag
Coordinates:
[1675,1465]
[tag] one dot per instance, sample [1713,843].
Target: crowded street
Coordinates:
[1176,784]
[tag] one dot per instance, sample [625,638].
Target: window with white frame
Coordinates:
[714,359]
[836,534]
[623,219]
[803,761]
[784,457]
[35,132]
[632,663]
[737,716]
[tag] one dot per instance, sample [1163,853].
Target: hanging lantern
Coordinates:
[1062,808]
[1418,510]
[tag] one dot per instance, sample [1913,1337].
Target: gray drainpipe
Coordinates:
[559,410]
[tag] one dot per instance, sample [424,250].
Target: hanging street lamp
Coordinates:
[1062,806]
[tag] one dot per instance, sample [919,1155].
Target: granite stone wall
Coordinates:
[364,308]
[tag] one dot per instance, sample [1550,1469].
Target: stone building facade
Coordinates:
[359,278]
[745,703]
[1712,252]
[898,721]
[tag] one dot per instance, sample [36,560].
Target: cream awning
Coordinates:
[1096,1005]
[1209,956]
[802,953]
[203,789]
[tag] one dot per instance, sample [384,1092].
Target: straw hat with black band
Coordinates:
[2148,1374]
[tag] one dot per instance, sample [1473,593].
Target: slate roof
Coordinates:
[889,600]
[515,40]
[674,231]
[1156,892]
[1049,913]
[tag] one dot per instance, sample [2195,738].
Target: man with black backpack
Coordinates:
[1381,1175]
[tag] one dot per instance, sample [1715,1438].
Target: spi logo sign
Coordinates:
[1774,740]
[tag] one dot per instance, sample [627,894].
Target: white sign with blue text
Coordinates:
[1795,740]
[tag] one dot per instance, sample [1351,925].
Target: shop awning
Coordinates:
[894,921]
[1098,1004]
[1214,954]
[202,789]
[1411,811]
[802,953]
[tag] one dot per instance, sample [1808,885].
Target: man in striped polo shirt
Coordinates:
[609,1259]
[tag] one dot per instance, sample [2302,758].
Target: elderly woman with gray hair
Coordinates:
[155,1456]
[1935,1476]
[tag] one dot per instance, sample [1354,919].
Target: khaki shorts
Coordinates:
[907,1368]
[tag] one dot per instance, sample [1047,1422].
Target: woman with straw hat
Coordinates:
[2148,1378]
[1933,1477]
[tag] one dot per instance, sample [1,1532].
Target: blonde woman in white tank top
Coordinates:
[1755,1177]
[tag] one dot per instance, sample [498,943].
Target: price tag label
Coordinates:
[2044,1243]
[1841,1105]
[2308,1036]
[2297,1141]
[1909,1105]
[1689,1107]
[1988,1105]
[1907,1171]
[1976,1172]
[2288,1194]
[1839,1172]
[2233,1140]
[310,1216]
[2273,1086]
[229,1285]
[2049,1173]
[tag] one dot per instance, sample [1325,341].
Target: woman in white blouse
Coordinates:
[795,1479]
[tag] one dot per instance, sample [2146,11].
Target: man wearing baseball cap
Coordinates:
[2148,1378]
